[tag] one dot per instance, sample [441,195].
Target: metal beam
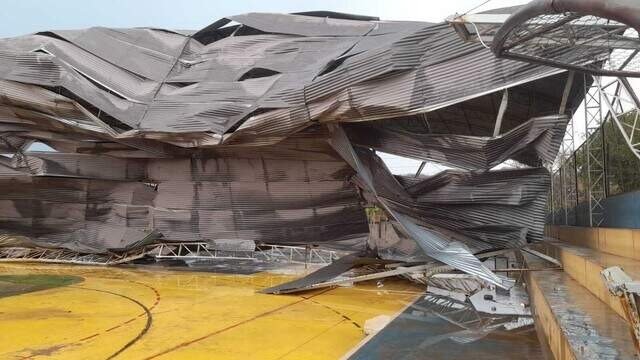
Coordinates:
[428,269]
[628,131]
[565,94]
[175,251]
[501,111]
[420,168]
[542,256]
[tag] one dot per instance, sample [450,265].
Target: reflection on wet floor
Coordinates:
[247,267]
[142,313]
[11,285]
[426,330]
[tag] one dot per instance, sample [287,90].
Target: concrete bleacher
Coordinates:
[575,312]
[574,323]
[614,241]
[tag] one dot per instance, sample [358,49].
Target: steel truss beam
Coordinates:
[62,256]
[270,253]
[175,251]
[622,104]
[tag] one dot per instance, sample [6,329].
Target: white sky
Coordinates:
[19,17]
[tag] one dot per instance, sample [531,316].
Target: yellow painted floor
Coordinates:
[127,313]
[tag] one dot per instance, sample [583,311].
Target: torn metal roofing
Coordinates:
[148,82]
[264,127]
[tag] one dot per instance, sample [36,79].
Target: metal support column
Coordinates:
[503,108]
[595,155]
[550,208]
[420,168]
[568,177]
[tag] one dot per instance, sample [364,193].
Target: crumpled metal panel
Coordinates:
[264,131]
[333,270]
[494,207]
[539,138]
[336,69]
[387,190]
[59,200]
[453,253]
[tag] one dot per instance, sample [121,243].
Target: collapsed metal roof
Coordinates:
[264,127]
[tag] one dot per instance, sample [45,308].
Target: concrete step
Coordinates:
[574,323]
[585,265]
[614,241]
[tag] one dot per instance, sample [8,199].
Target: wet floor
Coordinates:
[79,312]
[420,333]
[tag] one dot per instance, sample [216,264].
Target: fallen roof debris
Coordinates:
[264,128]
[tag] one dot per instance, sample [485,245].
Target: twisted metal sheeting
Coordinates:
[274,76]
[263,130]
[535,141]
[434,243]
[92,203]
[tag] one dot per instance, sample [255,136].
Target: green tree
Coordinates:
[623,167]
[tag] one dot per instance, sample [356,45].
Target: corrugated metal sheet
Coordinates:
[264,130]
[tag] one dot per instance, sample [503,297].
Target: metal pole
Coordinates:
[552,212]
[565,95]
[501,111]
[563,186]
[422,164]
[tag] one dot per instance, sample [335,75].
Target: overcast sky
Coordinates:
[19,17]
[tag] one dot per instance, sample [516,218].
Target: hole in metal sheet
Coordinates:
[257,73]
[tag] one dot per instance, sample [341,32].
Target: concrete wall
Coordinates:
[621,211]
[585,268]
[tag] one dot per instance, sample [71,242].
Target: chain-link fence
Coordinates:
[581,175]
